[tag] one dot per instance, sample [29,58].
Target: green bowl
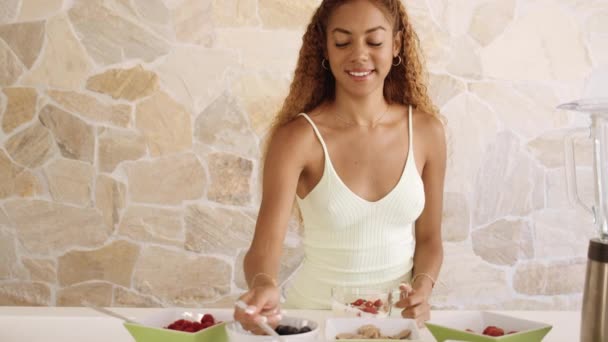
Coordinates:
[152,328]
[456,328]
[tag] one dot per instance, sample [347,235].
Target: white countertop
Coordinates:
[50,324]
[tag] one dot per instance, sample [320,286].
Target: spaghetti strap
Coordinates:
[317,133]
[410,124]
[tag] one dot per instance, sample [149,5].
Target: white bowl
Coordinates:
[236,333]
[388,326]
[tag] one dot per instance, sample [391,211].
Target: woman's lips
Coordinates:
[360,74]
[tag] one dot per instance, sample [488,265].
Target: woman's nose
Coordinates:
[360,52]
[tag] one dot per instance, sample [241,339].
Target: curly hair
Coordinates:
[312,84]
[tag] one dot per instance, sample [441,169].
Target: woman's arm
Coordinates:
[428,255]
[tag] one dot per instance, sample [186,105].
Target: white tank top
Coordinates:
[350,241]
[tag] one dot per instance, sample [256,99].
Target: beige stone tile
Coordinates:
[63,63]
[74,137]
[128,298]
[150,224]
[550,278]
[116,146]
[169,180]
[562,232]
[129,84]
[285,14]
[523,112]
[467,280]
[10,67]
[8,255]
[38,9]
[41,270]
[25,39]
[216,230]
[181,279]
[195,90]
[25,294]
[471,127]
[230,179]
[542,44]
[224,126]
[457,16]
[509,183]
[490,19]
[110,199]
[79,266]
[20,108]
[70,181]
[261,95]
[154,11]
[32,146]
[456,222]
[259,48]
[193,22]
[464,60]
[165,124]
[93,109]
[28,184]
[235,13]
[8,10]
[62,226]
[8,172]
[434,38]
[443,88]
[109,38]
[99,294]
[224,302]
[504,242]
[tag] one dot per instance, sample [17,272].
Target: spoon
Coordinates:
[110,313]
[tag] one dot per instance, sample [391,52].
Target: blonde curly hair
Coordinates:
[312,84]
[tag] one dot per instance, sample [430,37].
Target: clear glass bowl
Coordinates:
[361,301]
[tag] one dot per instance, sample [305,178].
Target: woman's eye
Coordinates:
[341,44]
[375,44]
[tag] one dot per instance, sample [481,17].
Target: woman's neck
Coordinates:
[365,111]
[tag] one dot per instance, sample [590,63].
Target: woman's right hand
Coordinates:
[262,304]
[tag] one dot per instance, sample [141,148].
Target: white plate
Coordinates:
[388,326]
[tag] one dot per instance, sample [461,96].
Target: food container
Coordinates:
[387,326]
[470,325]
[236,333]
[367,302]
[152,327]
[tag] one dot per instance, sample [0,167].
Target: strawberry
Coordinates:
[358,302]
[378,303]
[370,309]
[493,331]
[207,318]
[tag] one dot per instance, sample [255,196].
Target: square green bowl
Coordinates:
[455,328]
[152,328]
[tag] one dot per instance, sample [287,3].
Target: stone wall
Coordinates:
[132,131]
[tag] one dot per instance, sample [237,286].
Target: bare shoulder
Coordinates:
[428,125]
[292,142]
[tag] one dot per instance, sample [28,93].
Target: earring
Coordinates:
[323,64]
[399,62]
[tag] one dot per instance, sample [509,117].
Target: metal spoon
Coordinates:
[262,324]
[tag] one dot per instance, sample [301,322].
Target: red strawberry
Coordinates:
[493,331]
[378,303]
[358,302]
[207,318]
[369,304]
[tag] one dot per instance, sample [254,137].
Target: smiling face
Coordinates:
[361,46]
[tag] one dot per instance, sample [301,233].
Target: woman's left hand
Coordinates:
[415,302]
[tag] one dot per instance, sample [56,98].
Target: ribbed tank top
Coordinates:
[350,241]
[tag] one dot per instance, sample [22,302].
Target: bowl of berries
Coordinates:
[292,329]
[475,326]
[365,302]
[181,325]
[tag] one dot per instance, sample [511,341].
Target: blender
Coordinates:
[594,314]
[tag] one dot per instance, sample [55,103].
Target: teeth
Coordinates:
[359,74]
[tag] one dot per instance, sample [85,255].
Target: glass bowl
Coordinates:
[362,301]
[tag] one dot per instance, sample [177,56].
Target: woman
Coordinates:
[359,145]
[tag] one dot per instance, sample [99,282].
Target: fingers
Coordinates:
[260,304]
[420,312]
[410,298]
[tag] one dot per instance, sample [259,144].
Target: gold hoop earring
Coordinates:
[323,64]
[399,62]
